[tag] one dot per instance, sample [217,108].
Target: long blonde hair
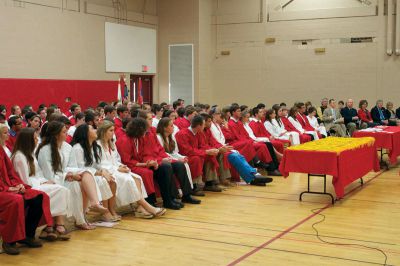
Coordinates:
[2,127]
[101,133]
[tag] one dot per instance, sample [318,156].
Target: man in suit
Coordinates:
[351,119]
[398,113]
[378,113]
[333,120]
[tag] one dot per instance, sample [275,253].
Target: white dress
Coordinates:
[77,160]
[314,123]
[44,160]
[298,126]
[277,130]
[58,194]
[176,156]
[127,190]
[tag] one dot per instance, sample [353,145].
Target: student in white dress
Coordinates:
[277,130]
[4,135]
[130,187]
[292,118]
[53,156]
[27,167]
[171,114]
[85,156]
[312,111]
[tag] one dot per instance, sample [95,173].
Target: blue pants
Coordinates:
[246,171]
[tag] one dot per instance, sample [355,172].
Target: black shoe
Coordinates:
[213,188]
[189,199]
[263,179]
[181,204]
[172,205]
[10,249]
[255,183]
[198,192]
[31,242]
[275,173]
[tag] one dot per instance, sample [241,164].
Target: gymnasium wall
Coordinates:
[61,40]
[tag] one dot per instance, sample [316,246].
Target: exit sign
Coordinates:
[145,68]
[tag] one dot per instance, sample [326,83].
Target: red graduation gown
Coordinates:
[153,149]
[260,131]
[240,133]
[130,156]
[289,127]
[117,123]
[244,147]
[302,118]
[182,122]
[12,210]
[191,146]
[11,142]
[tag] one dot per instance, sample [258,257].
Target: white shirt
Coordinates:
[251,134]
[216,131]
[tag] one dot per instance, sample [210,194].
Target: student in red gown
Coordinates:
[302,118]
[184,122]
[15,124]
[122,112]
[265,151]
[282,118]
[21,209]
[131,147]
[74,110]
[191,144]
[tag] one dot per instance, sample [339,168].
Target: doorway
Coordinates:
[147,88]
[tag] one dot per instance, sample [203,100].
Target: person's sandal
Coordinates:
[48,234]
[143,215]
[98,208]
[62,235]
[85,226]
[159,212]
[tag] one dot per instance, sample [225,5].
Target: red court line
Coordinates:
[235,262]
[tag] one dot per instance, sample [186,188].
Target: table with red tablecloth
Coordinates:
[388,138]
[346,162]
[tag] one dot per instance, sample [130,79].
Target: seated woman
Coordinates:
[171,114]
[53,156]
[365,115]
[21,209]
[278,131]
[85,156]
[131,147]
[33,121]
[390,113]
[293,119]
[282,118]
[130,186]
[3,138]
[312,111]
[27,167]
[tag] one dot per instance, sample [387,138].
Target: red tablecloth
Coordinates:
[388,139]
[345,167]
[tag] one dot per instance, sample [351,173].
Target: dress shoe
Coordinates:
[263,179]
[189,199]
[275,173]
[181,204]
[213,188]
[198,192]
[10,249]
[172,205]
[31,242]
[255,183]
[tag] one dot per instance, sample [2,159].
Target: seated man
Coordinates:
[378,114]
[184,122]
[321,109]
[15,124]
[228,155]
[191,145]
[21,209]
[333,120]
[122,113]
[351,119]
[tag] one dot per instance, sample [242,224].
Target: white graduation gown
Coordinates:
[127,190]
[44,160]
[314,123]
[77,160]
[58,194]
[298,126]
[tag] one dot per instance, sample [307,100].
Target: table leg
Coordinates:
[316,192]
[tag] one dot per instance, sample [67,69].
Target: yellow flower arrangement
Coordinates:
[334,144]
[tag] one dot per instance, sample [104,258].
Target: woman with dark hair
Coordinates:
[277,130]
[27,167]
[131,147]
[282,113]
[85,155]
[293,119]
[130,186]
[365,115]
[33,121]
[179,162]
[171,114]
[54,156]
[312,119]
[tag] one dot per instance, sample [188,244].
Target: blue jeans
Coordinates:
[246,171]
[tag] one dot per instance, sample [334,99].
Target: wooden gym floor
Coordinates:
[247,225]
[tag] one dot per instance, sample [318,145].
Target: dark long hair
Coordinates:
[292,112]
[25,143]
[268,114]
[276,108]
[81,136]
[169,145]
[54,128]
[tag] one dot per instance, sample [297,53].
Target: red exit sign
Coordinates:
[145,68]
